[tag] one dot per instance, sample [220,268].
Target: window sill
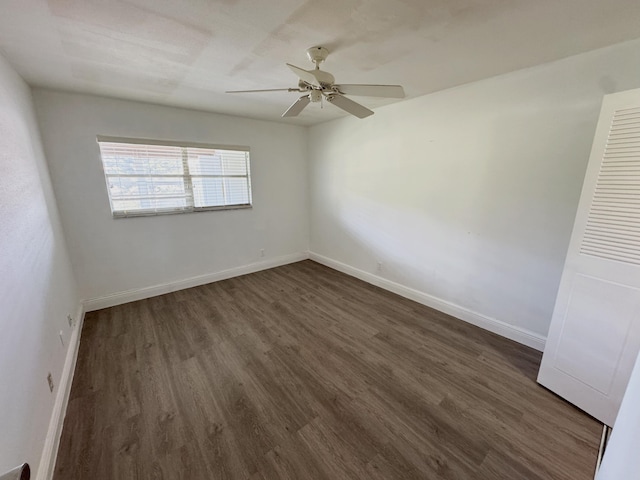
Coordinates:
[117,216]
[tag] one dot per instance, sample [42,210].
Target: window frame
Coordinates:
[187,177]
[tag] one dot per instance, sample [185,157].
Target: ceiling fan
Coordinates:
[318,84]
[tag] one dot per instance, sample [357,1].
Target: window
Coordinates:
[148,177]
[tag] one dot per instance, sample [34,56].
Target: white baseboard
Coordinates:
[520,335]
[52,442]
[155,290]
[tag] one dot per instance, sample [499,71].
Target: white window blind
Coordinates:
[147,177]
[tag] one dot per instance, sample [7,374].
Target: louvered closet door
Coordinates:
[594,336]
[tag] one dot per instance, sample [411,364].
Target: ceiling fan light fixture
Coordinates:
[315,95]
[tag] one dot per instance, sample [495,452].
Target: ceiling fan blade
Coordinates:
[295,109]
[387,91]
[265,90]
[304,75]
[349,106]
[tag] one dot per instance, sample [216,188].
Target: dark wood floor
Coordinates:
[301,372]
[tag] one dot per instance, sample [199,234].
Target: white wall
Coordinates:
[621,459]
[111,256]
[37,288]
[468,195]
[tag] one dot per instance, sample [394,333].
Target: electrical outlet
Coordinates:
[379,266]
[262,252]
[70,320]
[50,381]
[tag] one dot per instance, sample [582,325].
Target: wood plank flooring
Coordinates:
[301,372]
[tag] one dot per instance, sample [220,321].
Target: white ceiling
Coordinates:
[188,52]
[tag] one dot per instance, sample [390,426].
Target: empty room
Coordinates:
[357,239]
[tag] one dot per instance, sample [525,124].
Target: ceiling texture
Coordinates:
[187,53]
